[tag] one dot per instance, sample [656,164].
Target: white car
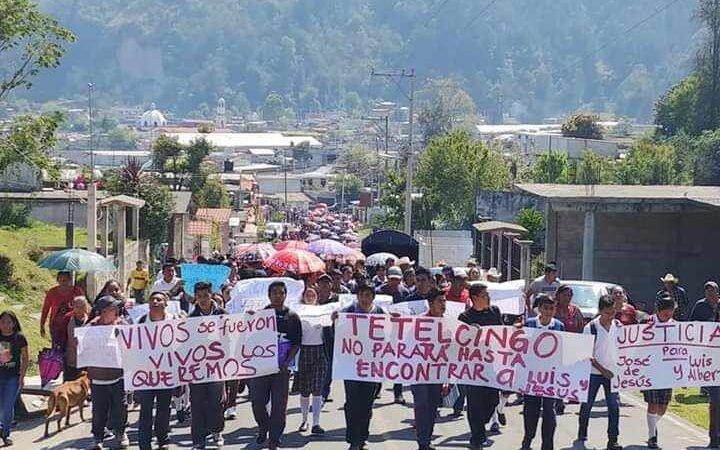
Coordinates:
[274,229]
[586,295]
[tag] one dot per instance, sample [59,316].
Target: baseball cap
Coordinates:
[459,273]
[712,284]
[107,301]
[394,272]
[551,267]
[325,277]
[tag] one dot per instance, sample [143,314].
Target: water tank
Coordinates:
[228,166]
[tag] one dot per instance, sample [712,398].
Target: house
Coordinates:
[278,183]
[631,235]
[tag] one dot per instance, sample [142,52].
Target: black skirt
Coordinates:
[312,366]
[658,396]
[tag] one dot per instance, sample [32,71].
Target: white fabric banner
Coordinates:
[412,350]
[668,355]
[97,347]
[137,311]
[257,289]
[414,308]
[166,354]
[381,300]
[316,314]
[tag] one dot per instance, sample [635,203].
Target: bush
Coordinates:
[14,215]
[6,272]
[583,126]
[532,220]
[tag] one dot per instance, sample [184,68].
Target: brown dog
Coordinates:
[64,398]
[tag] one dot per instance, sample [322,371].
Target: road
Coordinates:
[391,429]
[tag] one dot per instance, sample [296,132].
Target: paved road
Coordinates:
[391,429]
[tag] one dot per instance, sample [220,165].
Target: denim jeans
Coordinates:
[160,400]
[613,405]
[531,416]
[9,388]
[426,400]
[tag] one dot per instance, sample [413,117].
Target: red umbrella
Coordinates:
[291,245]
[255,253]
[297,261]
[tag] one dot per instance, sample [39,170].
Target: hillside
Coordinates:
[530,58]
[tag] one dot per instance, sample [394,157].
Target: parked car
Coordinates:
[274,229]
[586,295]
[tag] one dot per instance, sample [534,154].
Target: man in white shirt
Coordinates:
[604,328]
[170,284]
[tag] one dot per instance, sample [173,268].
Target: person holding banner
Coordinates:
[325,296]
[481,400]
[206,399]
[275,388]
[312,367]
[458,291]
[624,311]
[658,399]
[360,395]
[155,398]
[427,397]
[532,404]
[423,285]
[109,402]
[76,318]
[604,361]
[395,288]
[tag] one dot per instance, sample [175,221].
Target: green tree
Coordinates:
[156,215]
[648,163]
[273,107]
[533,221]
[677,110]
[392,200]
[362,162]
[444,106]
[351,183]
[594,169]
[212,194]
[583,126]
[450,172]
[552,167]
[705,153]
[183,162]
[124,138]
[29,42]
[29,140]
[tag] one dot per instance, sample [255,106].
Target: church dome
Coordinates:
[152,118]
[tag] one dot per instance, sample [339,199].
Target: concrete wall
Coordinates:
[56,213]
[453,247]
[535,143]
[505,205]
[276,184]
[636,249]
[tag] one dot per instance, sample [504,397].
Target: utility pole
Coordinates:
[386,132]
[402,74]
[92,199]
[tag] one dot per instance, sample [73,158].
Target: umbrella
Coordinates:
[354,256]
[329,247]
[353,244]
[291,245]
[312,237]
[77,260]
[349,236]
[378,259]
[255,253]
[334,237]
[297,261]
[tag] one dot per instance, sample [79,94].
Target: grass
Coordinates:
[691,406]
[23,285]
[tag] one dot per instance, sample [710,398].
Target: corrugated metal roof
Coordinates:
[704,194]
[495,225]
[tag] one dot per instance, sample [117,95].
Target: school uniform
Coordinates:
[605,353]
[275,388]
[532,405]
[481,400]
[359,398]
[426,400]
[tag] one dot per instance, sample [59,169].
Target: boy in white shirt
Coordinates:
[604,363]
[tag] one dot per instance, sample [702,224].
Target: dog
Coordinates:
[64,398]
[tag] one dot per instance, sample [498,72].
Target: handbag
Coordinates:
[448,401]
[50,362]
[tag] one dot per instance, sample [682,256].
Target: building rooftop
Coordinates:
[495,225]
[218,215]
[708,195]
[248,140]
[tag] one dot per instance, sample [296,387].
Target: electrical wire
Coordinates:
[481,13]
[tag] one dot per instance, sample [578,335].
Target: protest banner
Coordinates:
[416,350]
[257,289]
[215,274]
[137,311]
[241,306]
[316,314]
[414,308]
[668,355]
[507,296]
[97,347]
[166,354]
[381,300]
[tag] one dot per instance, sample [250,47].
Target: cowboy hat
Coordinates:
[669,278]
[493,272]
[405,260]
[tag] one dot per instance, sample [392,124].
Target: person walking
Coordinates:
[706,308]
[312,367]
[625,313]
[360,395]
[155,398]
[604,328]
[57,303]
[77,318]
[672,288]
[325,296]
[481,400]
[658,399]
[137,282]
[275,388]
[428,397]
[532,405]
[109,402]
[14,362]
[546,284]
[206,399]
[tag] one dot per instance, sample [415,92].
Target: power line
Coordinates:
[481,13]
[436,13]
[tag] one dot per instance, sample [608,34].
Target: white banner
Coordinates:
[166,354]
[381,300]
[257,289]
[97,347]
[412,350]
[316,314]
[137,311]
[414,308]
[668,355]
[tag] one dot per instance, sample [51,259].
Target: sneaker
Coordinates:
[456,413]
[317,429]
[502,419]
[652,442]
[303,427]
[7,441]
[96,445]
[218,439]
[495,428]
[613,445]
[261,437]
[122,439]
[560,409]
[230,413]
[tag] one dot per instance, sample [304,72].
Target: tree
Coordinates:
[648,163]
[532,220]
[184,162]
[451,171]
[583,126]
[30,140]
[708,64]
[212,195]
[350,183]
[29,42]
[392,201]
[552,167]
[124,138]
[132,180]
[704,151]
[677,110]
[362,162]
[593,169]
[444,106]
[273,107]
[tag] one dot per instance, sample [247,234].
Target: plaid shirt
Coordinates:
[682,310]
